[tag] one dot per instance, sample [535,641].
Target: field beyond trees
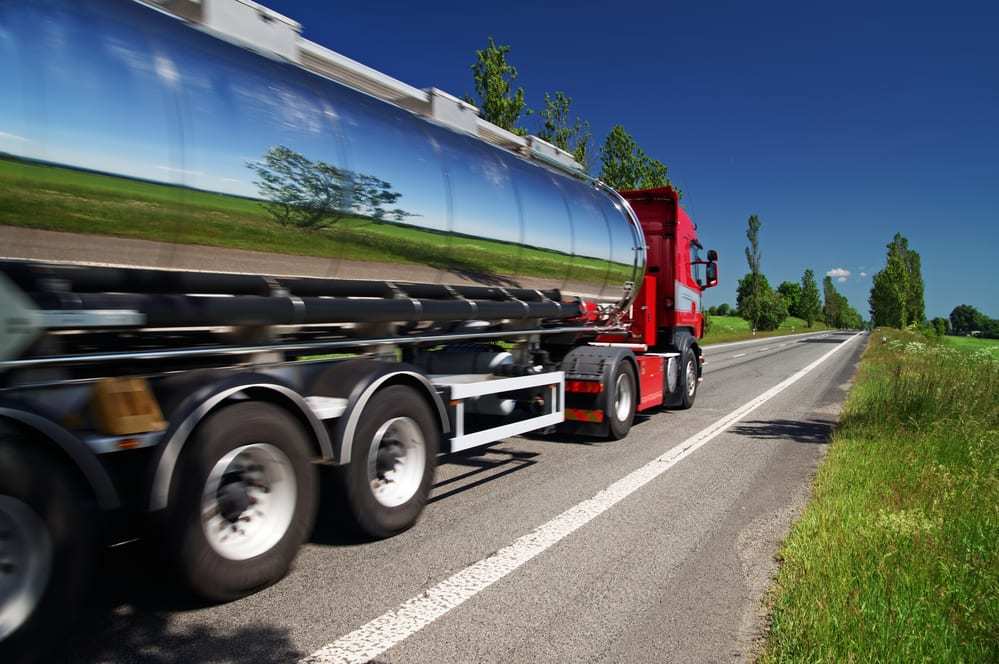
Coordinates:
[895,559]
[734,328]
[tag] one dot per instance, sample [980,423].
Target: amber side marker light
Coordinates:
[126,406]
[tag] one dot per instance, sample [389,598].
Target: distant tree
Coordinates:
[791,292]
[572,135]
[313,195]
[965,319]
[723,309]
[809,304]
[748,288]
[837,311]
[915,303]
[941,326]
[759,304]
[624,165]
[753,288]
[773,310]
[896,297]
[498,102]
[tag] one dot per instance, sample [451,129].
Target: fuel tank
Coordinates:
[128,137]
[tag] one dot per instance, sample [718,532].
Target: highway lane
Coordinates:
[673,571]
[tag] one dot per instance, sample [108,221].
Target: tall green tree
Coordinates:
[498,102]
[832,308]
[791,292]
[810,304]
[561,130]
[896,297]
[752,302]
[624,165]
[757,302]
[915,302]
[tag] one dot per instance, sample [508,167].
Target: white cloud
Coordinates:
[12,137]
[863,274]
[840,274]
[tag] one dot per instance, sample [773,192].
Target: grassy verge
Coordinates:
[734,328]
[895,559]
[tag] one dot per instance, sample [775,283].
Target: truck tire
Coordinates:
[49,545]
[243,500]
[392,460]
[622,400]
[687,380]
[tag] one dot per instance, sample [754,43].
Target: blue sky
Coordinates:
[838,126]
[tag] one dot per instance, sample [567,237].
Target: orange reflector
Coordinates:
[583,415]
[129,443]
[584,386]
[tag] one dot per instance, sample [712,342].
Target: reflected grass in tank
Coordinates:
[43,196]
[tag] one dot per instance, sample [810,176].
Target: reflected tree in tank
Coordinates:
[313,195]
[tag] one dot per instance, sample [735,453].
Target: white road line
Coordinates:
[739,355]
[763,349]
[389,629]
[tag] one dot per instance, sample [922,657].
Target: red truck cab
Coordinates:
[669,304]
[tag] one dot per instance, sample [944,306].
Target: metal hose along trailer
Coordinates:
[136,140]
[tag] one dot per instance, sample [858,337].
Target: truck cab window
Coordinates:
[696,271]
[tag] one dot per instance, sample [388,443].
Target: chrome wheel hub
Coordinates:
[397,459]
[249,501]
[623,398]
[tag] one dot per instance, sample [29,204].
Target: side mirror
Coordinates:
[712,255]
[711,272]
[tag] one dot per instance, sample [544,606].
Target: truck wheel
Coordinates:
[687,383]
[392,461]
[49,543]
[243,501]
[622,399]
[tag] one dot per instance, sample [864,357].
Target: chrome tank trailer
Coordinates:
[130,138]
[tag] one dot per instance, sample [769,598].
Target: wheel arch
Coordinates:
[359,380]
[193,410]
[71,449]
[613,356]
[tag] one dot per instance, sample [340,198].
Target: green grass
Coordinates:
[974,343]
[895,558]
[61,199]
[734,328]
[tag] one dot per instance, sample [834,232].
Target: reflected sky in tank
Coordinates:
[117,88]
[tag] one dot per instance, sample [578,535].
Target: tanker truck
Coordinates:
[230,256]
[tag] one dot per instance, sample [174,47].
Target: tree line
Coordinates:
[623,162]
[897,298]
[766,309]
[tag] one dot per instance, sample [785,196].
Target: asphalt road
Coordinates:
[669,564]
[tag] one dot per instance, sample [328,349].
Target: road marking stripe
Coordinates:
[389,629]
[739,355]
[763,349]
